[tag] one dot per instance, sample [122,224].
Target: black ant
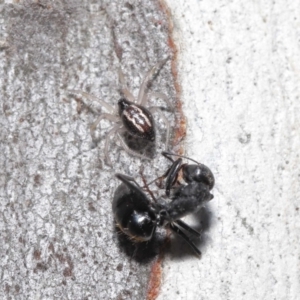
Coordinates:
[131,115]
[138,217]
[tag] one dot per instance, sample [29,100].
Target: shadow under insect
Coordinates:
[202,221]
[142,252]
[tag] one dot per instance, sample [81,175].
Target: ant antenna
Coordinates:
[165,153]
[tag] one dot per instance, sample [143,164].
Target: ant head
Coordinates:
[198,173]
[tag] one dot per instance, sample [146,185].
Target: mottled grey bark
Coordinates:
[57,232]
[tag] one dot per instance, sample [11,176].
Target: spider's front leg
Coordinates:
[163,97]
[107,106]
[104,116]
[124,89]
[167,124]
[142,99]
[110,134]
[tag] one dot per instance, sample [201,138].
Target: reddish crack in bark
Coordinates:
[155,279]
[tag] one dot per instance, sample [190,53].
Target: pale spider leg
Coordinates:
[128,150]
[106,145]
[106,116]
[94,98]
[124,89]
[163,97]
[142,100]
[157,109]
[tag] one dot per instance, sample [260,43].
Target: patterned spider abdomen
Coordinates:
[137,120]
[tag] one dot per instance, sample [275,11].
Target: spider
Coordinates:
[130,114]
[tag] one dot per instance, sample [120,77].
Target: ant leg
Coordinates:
[142,100]
[163,97]
[128,150]
[142,200]
[94,98]
[146,185]
[108,135]
[157,109]
[106,116]
[188,228]
[125,178]
[167,155]
[124,89]
[171,174]
[177,230]
[160,179]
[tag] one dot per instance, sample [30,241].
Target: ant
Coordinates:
[138,217]
[131,115]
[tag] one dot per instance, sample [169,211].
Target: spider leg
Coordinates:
[103,116]
[157,109]
[163,97]
[142,100]
[177,230]
[94,98]
[106,145]
[124,89]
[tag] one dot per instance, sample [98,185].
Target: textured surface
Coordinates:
[240,73]
[57,233]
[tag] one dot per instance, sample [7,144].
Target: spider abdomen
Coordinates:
[137,120]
